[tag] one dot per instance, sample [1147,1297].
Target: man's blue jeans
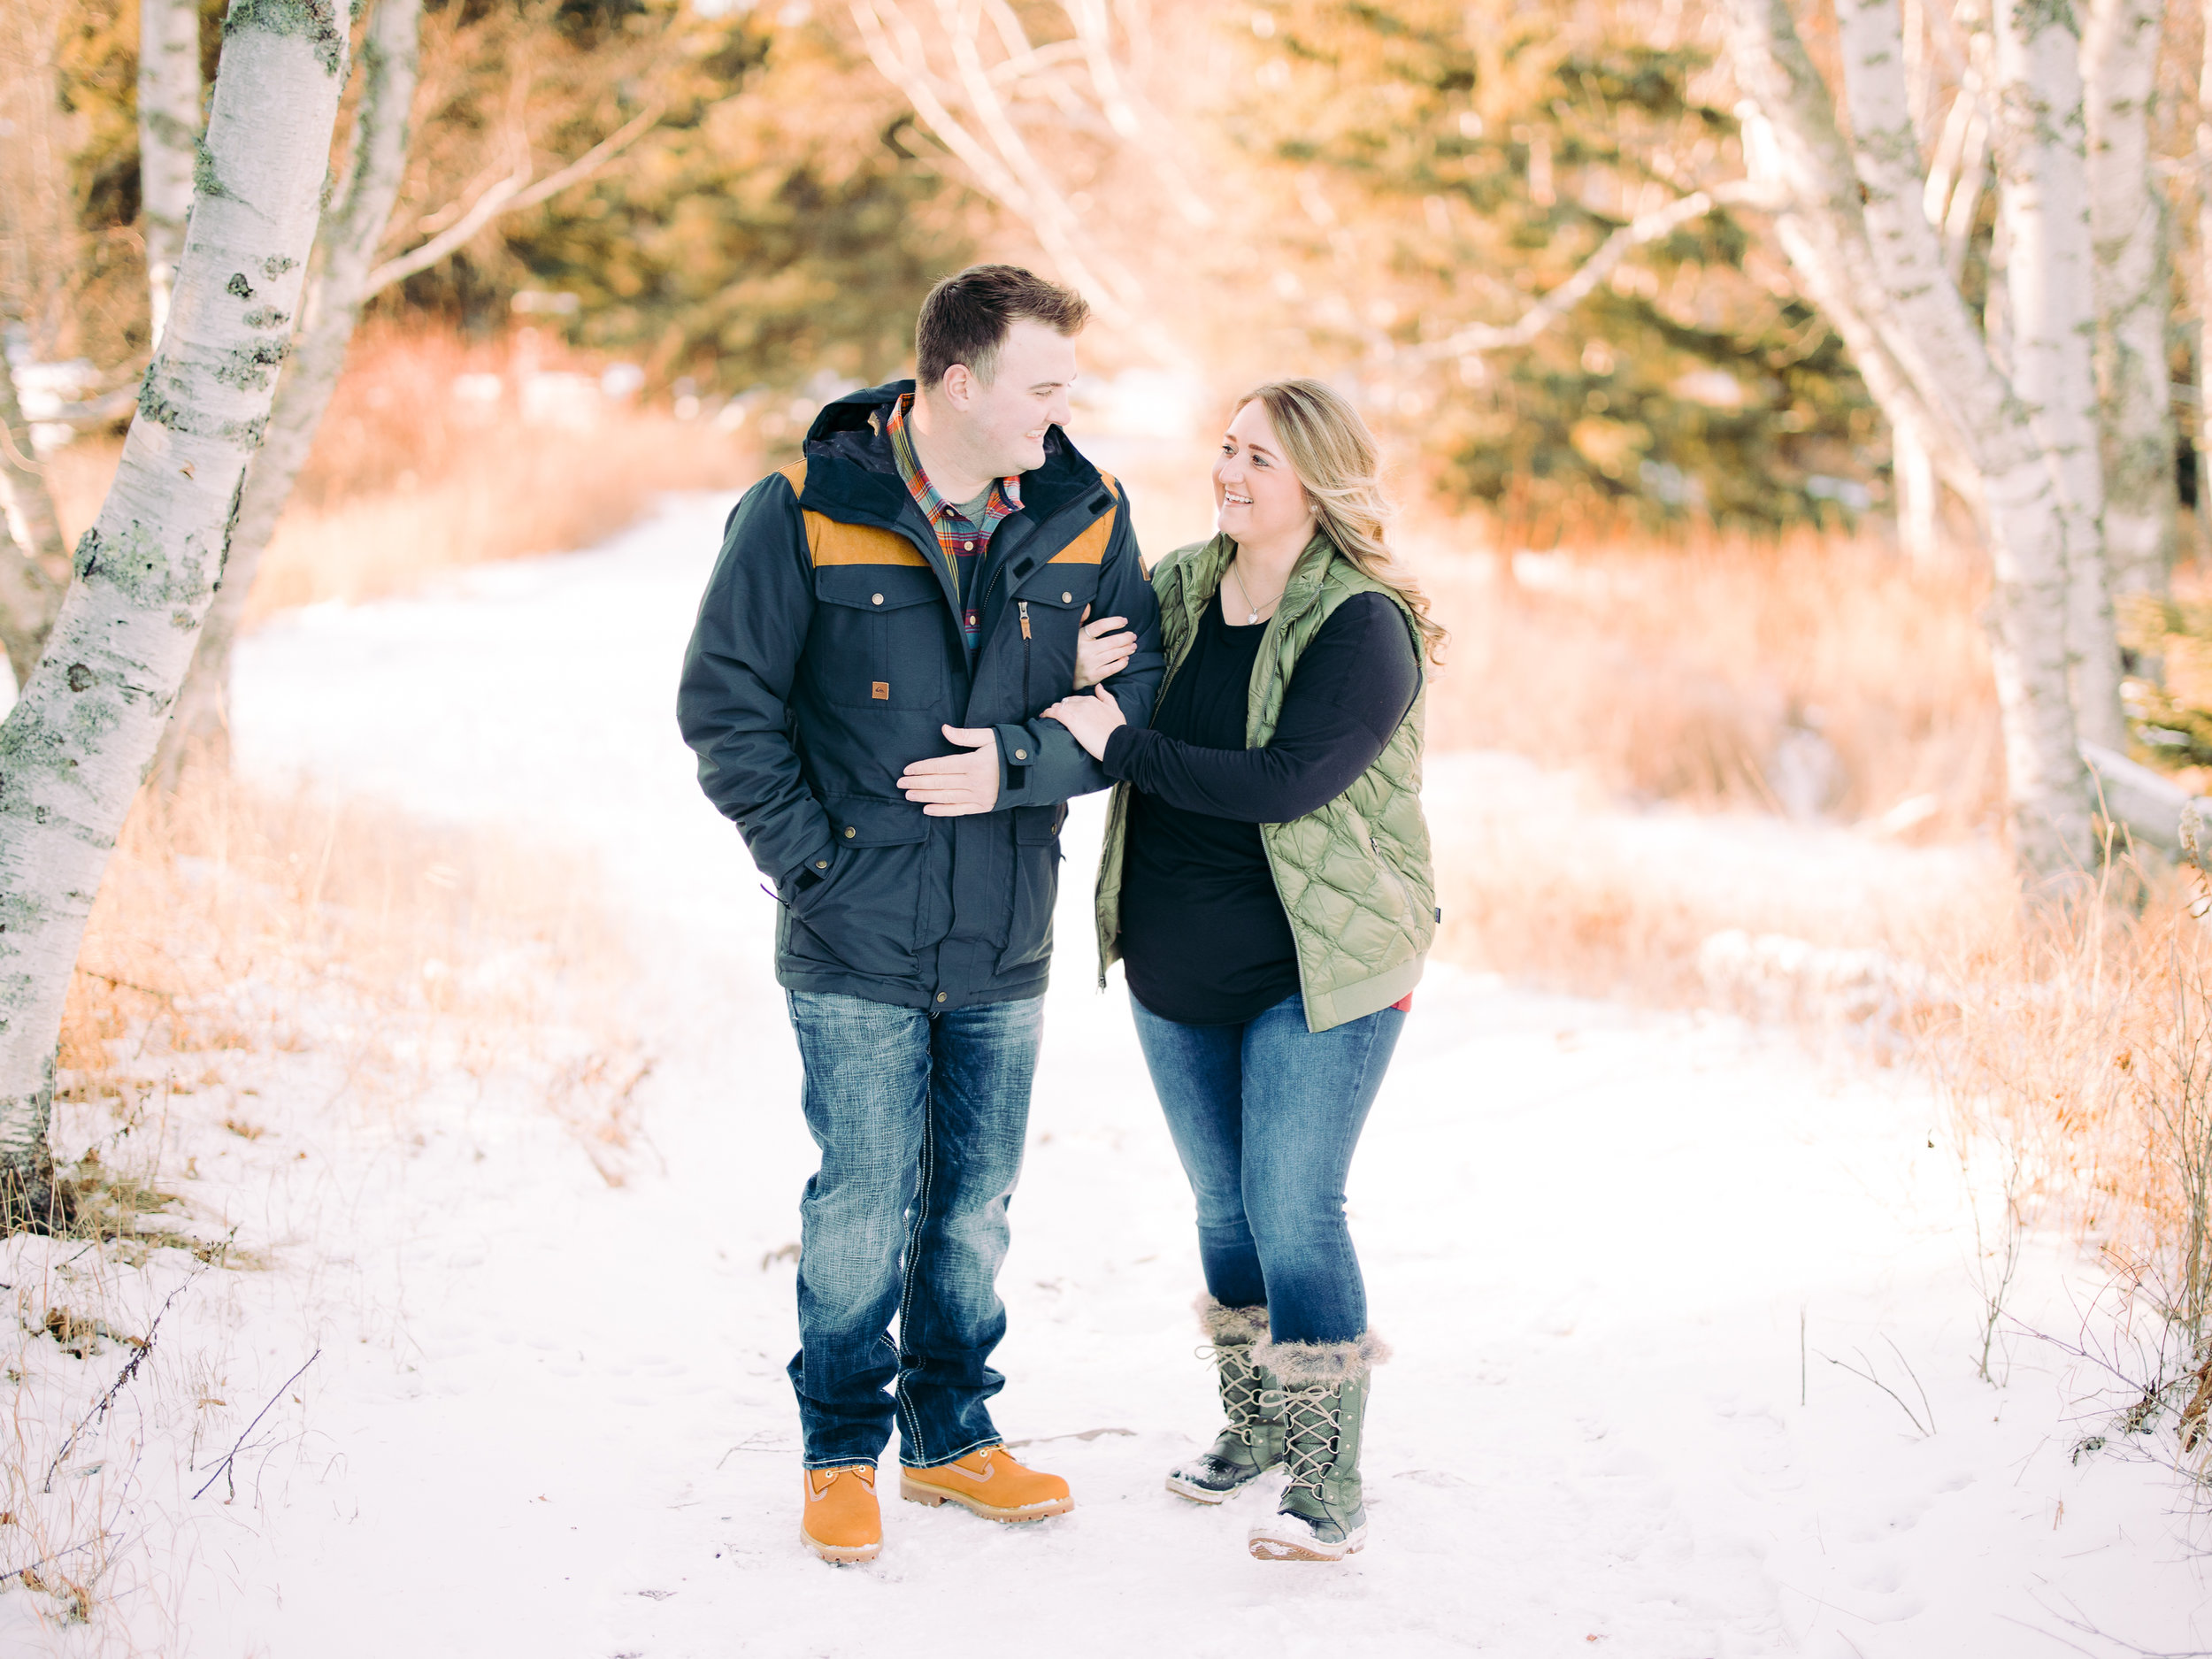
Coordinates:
[1265,1117]
[920,1119]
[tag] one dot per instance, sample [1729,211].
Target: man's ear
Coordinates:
[958,388]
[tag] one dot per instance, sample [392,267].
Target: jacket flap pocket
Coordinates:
[861,820]
[1036,825]
[1061,587]
[876,587]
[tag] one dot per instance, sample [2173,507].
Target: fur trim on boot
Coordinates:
[1224,1324]
[1252,1442]
[1305,1364]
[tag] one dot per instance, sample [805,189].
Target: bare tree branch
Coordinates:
[1647,227]
[1126,111]
[511,195]
[966,112]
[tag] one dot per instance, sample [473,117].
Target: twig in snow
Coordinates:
[1078,1434]
[1915,1375]
[1868,1375]
[2087,1629]
[33,1566]
[129,1370]
[223,1465]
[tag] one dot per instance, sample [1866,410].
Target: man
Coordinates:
[913,586]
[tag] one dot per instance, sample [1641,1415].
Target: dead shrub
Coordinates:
[1820,676]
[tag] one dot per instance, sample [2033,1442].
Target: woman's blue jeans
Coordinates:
[1265,1117]
[921,1119]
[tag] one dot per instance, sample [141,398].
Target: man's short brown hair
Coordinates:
[965,318]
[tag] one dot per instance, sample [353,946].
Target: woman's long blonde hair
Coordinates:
[1337,459]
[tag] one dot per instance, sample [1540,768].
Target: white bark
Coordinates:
[78,742]
[168,139]
[2134,290]
[1858,231]
[340,283]
[32,560]
[1914,472]
[2204,289]
[2040,145]
[23,477]
[1966,200]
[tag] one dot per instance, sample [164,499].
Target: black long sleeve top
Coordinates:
[1204,935]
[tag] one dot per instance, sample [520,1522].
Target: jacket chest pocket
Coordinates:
[879,638]
[1047,615]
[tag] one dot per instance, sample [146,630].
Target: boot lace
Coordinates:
[1243,1398]
[1312,1418]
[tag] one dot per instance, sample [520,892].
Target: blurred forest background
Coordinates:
[634,243]
[1333,187]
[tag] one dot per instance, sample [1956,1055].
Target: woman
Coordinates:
[1266,882]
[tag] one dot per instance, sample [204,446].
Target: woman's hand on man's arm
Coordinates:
[1101,654]
[1092,719]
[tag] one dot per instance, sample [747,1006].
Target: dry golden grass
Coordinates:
[1678,672]
[232,920]
[409,481]
[2074,1056]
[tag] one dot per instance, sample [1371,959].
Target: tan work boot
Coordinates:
[990,1483]
[840,1522]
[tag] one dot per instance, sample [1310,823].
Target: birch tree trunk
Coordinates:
[338,286]
[2203,434]
[31,506]
[1858,232]
[2040,145]
[168,137]
[2134,293]
[33,559]
[1914,474]
[77,744]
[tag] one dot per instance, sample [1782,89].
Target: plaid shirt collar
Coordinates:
[1005,500]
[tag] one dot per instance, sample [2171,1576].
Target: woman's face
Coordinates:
[1257,498]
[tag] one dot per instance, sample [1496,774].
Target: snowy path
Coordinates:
[1589,1234]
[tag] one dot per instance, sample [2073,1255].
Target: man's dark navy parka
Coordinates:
[828,655]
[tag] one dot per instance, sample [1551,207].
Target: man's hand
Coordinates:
[956,784]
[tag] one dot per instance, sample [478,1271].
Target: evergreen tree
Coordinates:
[1451,164]
[771,225]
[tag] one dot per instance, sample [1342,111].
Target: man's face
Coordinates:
[1002,424]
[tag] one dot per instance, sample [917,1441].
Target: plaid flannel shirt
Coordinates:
[962,543]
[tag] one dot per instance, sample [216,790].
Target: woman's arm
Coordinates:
[1353,686]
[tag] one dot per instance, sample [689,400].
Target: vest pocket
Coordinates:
[1036,885]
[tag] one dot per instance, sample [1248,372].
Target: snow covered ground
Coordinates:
[1618,1255]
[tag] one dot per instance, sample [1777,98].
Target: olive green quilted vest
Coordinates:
[1355,877]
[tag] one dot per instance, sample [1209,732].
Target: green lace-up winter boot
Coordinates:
[1252,1443]
[1323,1515]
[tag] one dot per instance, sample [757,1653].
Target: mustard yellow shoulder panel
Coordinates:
[1090,547]
[830,542]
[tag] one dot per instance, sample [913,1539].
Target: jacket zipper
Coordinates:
[1023,606]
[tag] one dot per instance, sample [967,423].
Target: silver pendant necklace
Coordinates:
[1252,611]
